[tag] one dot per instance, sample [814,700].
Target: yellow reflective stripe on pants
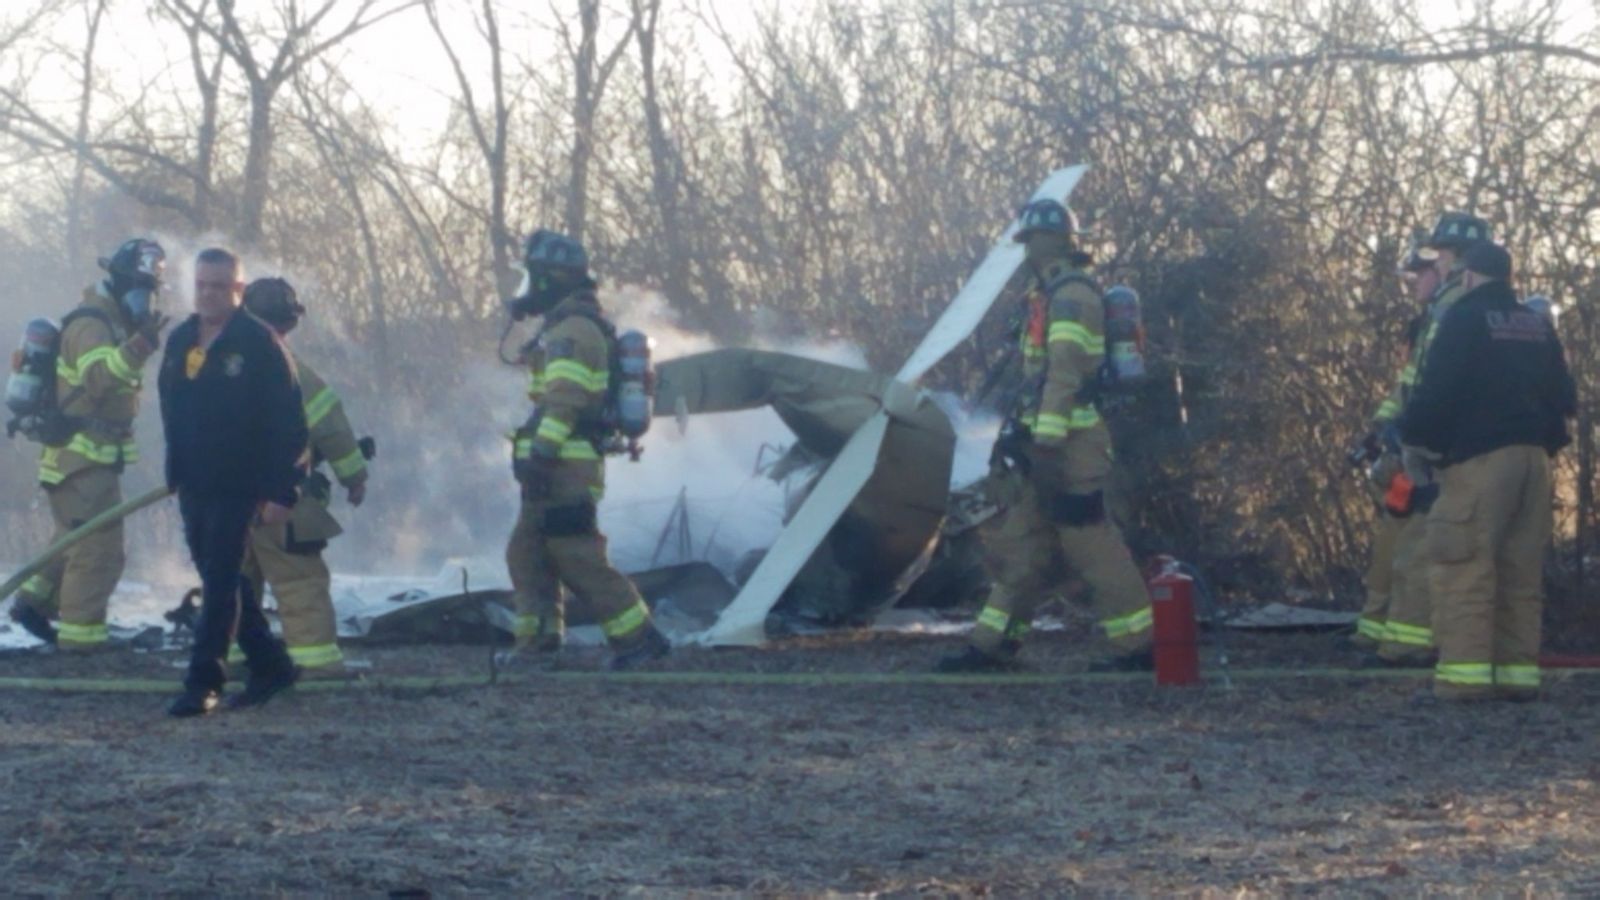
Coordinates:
[235,655]
[349,466]
[1465,673]
[317,655]
[625,623]
[1372,628]
[1520,675]
[1074,333]
[535,384]
[38,586]
[318,407]
[577,373]
[1133,623]
[68,633]
[1003,623]
[523,448]
[531,625]
[1410,635]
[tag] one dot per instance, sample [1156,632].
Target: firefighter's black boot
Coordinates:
[33,621]
[652,646]
[1137,661]
[257,691]
[193,702]
[973,661]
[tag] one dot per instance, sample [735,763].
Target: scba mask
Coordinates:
[537,295]
[137,270]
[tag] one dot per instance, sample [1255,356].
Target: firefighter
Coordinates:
[1395,590]
[1052,466]
[289,556]
[1488,413]
[104,344]
[1408,634]
[556,459]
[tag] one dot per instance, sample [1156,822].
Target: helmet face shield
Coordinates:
[136,271]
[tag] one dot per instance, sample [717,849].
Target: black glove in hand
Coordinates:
[152,327]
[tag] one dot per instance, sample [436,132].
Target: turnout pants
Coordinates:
[557,544]
[1486,538]
[78,586]
[301,582]
[1027,546]
[217,528]
[1408,633]
[1372,626]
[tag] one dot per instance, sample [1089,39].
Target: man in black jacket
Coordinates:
[1489,412]
[236,447]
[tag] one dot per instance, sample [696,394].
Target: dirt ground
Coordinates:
[572,784]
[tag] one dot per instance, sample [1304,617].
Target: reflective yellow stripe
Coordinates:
[318,407]
[579,450]
[1073,333]
[626,622]
[1130,624]
[317,655]
[535,384]
[1388,411]
[1410,635]
[1054,425]
[1464,673]
[38,587]
[1372,628]
[349,465]
[534,625]
[1408,375]
[1521,675]
[68,633]
[235,655]
[522,448]
[553,430]
[1051,425]
[577,373]
[1010,627]
[67,373]
[994,619]
[105,454]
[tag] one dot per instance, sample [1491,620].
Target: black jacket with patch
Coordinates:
[239,427]
[1495,376]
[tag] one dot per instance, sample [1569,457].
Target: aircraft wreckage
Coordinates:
[874,522]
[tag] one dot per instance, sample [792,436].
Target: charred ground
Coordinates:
[579,785]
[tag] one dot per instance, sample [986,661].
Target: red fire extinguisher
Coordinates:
[1177,651]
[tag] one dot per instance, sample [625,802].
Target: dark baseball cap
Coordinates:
[1488,259]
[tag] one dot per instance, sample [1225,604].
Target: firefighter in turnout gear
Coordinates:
[1397,588]
[104,345]
[1489,411]
[556,458]
[1052,466]
[1408,638]
[289,556]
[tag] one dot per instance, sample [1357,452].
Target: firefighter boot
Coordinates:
[193,702]
[33,622]
[649,647]
[257,691]
[1137,661]
[973,661]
